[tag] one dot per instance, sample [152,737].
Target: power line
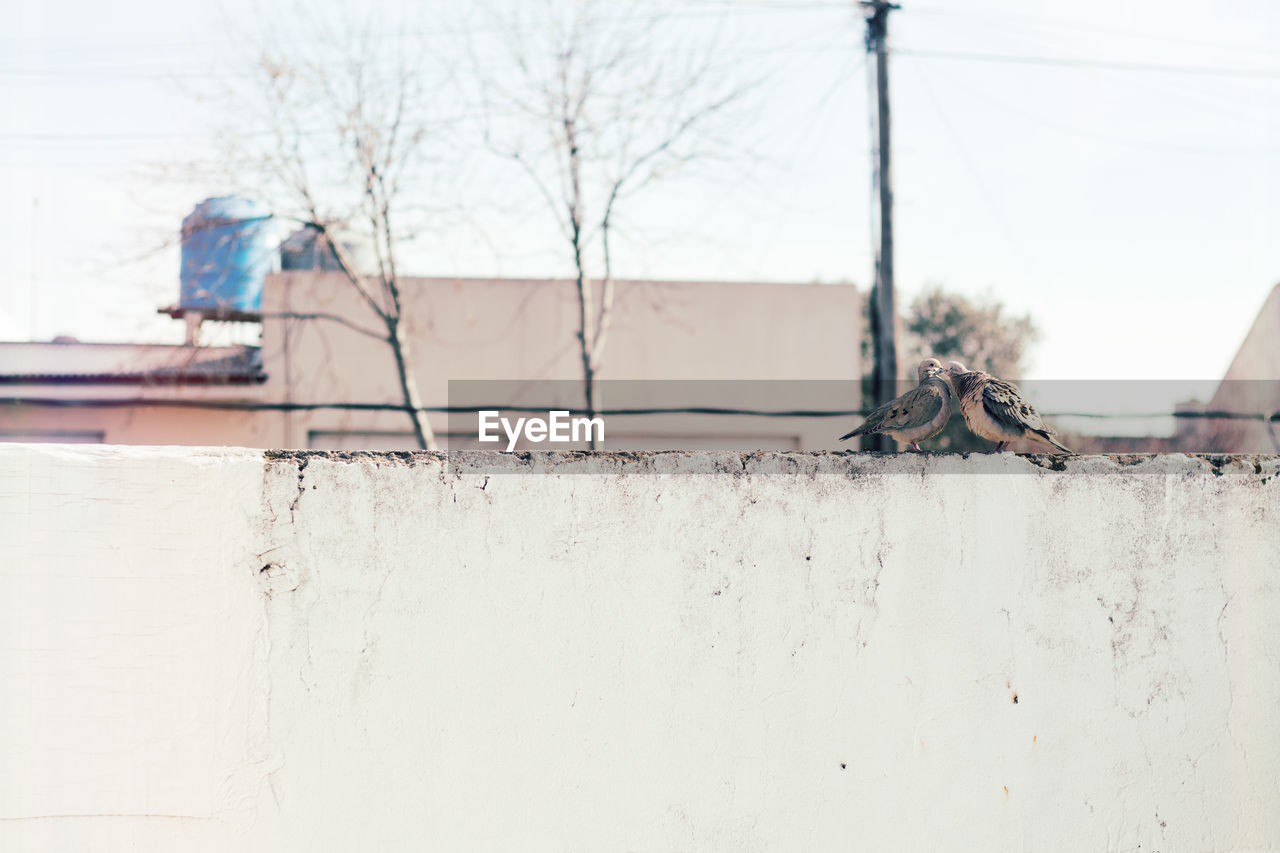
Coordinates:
[688,10]
[256,406]
[970,164]
[1099,64]
[1161,146]
[111,74]
[216,134]
[106,73]
[104,137]
[1054,26]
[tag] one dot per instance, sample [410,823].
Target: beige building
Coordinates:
[1251,385]
[738,345]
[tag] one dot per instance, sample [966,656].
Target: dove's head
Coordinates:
[928,369]
[952,370]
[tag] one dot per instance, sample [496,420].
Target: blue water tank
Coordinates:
[305,249]
[228,247]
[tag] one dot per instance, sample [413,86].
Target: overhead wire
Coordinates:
[1098,64]
[259,406]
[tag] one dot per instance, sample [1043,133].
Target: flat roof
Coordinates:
[39,363]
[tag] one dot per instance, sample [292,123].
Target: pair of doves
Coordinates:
[993,409]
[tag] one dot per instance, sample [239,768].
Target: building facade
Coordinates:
[317,376]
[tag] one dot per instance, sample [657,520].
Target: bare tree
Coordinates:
[598,102]
[338,136]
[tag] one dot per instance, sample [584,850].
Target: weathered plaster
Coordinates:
[711,651]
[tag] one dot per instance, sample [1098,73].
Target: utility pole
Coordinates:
[884,313]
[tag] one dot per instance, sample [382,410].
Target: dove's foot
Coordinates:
[1002,446]
[916,447]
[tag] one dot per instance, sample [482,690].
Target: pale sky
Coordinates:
[1134,211]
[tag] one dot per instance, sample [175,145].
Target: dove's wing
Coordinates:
[874,419]
[1003,402]
[915,408]
[1027,416]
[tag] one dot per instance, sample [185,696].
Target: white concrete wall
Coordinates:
[206,650]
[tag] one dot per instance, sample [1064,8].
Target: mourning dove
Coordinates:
[994,409]
[919,414]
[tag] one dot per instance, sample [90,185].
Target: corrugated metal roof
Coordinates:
[128,364]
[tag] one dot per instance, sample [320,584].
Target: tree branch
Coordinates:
[323,315]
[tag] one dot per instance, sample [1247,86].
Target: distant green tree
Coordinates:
[980,333]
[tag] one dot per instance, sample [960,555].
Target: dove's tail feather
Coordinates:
[861,430]
[1058,444]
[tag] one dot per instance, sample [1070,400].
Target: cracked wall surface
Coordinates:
[649,651]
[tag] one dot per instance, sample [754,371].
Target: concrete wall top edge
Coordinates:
[125,451]
[810,463]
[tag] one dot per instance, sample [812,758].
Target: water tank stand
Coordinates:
[222,315]
[195,318]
